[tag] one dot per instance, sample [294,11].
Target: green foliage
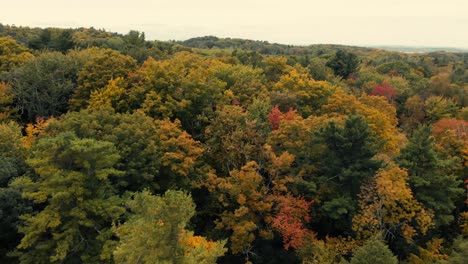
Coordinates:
[43,85]
[154,154]
[438,107]
[374,251]
[183,87]
[459,253]
[432,184]
[155,232]
[12,206]
[11,152]
[77,201]
[344,63]
[347,163]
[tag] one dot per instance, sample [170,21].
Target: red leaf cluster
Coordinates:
[292,213]
[384,89]
[460,127]
[276,116]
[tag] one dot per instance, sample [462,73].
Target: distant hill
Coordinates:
[411,49]
[264,47]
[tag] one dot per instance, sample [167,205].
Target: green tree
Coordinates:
[374,251]
[459,253]
[429,180]
[73,189]
[12,206]
[344,63]
[155,154]
[437,107]
[347,163]
[43,85]
[11,152]
[156,232]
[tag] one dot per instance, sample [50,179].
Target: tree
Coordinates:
[377,111]
[437,107]
[233,139]
[374,251]
[43,85]
[105,65]
[244,197]
[307,95]
[347,163]
[245,82]
[183,87]
[12,54]
[112,95]
[7,108]
[247,200]
[12,206]
[73,189]
[292,214]
[433,253]
[11,153]
[459,253]
[388,206]
[155,154]
[156,232]
[344,63]
[385,90]
[430,182]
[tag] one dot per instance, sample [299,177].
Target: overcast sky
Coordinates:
[352,22]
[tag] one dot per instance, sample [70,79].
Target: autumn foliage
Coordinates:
[114,149]
[293,214]
[385,90]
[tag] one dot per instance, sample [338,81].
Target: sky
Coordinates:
[431,23]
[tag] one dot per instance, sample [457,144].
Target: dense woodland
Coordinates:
[115,149]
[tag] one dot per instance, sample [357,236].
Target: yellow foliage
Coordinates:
[34,130]
[431,254]
[244,187]
[109,96]
[380,115]
[387,204]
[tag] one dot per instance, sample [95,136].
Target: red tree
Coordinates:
[292,213]
[384,89]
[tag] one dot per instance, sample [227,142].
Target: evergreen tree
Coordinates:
[347,163]
[344,63]
[431,184]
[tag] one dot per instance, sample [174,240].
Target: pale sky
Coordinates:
[353,22]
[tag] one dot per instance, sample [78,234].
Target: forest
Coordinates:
[118,149]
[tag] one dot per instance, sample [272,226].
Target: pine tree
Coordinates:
[431,184]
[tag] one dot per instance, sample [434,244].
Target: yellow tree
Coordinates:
[387,205]
[248,199]
[6,102]
[112,95]
[12,54]
[183,87]
[304,93]
[104,65]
